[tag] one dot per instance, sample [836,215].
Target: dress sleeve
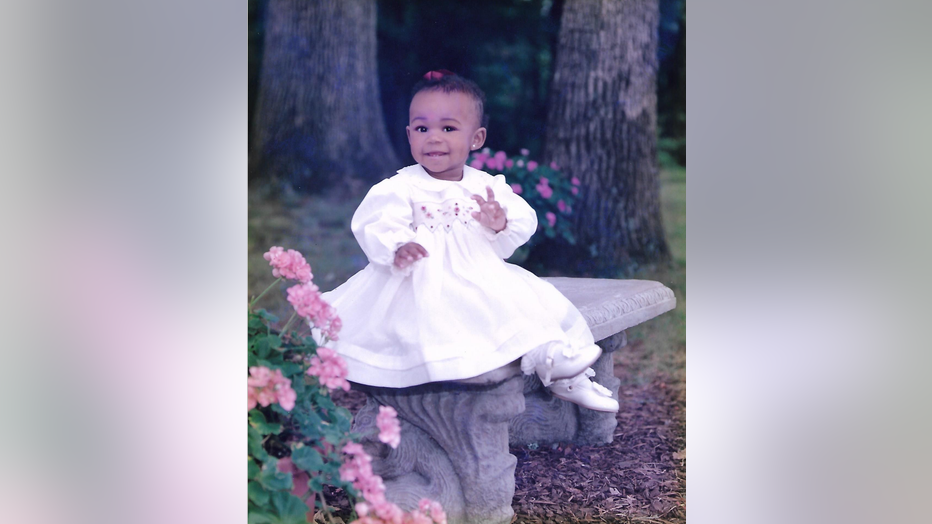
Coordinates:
[382,222]
[522,220]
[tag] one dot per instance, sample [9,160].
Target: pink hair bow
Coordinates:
[438,74]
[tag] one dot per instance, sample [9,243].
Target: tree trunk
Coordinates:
[601,128]
[318,116]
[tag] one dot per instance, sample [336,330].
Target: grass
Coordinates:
[664,337]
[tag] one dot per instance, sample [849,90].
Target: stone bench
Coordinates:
[456,435]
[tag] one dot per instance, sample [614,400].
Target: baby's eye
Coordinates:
[421,129]
[449,128]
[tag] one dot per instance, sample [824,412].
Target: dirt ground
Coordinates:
[639,477]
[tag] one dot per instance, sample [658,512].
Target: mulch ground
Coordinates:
[639,477]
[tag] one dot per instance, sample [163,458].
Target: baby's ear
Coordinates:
[478,139]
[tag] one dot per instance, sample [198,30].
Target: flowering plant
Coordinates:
[544,187]
[299,440]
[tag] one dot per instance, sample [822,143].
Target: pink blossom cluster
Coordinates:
[389,427]
[308,303]
[561,205]
[575,182]
[517,188]
[266,387]
[330,369]
[543,187]
[427,512]
[376,509]
[498,161]
[288,264]
[551,218]
[358,470]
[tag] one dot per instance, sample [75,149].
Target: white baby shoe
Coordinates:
[551,362]
[584,392]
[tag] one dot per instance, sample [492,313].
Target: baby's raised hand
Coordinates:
[490,212]
[409,254]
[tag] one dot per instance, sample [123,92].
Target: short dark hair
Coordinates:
[449,82]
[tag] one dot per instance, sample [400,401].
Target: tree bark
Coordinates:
[601,128]
[318,114]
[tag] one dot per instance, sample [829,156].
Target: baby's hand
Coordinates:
[490,214]
[409,254]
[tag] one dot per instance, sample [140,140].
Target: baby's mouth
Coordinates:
[435,154]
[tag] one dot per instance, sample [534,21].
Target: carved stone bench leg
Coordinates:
[454,447]
[549,420]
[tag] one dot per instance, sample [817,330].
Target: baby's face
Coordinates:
[442,129]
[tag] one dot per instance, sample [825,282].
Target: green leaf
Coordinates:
[342,419]
[253,469]
[260,517]
[257,420]
[262,346]
[290,369]
[308,459]
[256,324]
[316,483]
[257,493]
[324,401]
[255,445]
[274,480]
[275,341]
[290,509]
[271,318]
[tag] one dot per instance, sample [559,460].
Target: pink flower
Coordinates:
[434,509]
[561,205]
[389,427]
[554,166]
[509,163]
[288,264]
[574,181]
[477,163]
[330,369]
[358,470]
[416,517]
[531,166]
[265,388]
[551,218]
[308,303]
[574,190]
[544,187]
[525,152]
[353,448]
[388,512]
[500,156]
[519,163]
[516,188]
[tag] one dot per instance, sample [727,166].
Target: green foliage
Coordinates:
[552,200]
[311,433]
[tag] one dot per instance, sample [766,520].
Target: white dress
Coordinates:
[462,310]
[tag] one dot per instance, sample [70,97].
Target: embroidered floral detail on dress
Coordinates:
[443,215]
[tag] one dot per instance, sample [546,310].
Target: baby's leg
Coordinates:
[566,373]
[584,392]
[557,361]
